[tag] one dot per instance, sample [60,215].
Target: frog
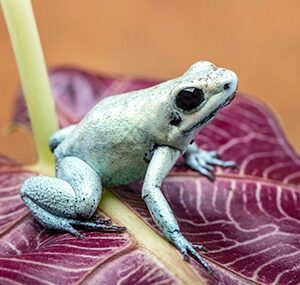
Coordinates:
[137,135]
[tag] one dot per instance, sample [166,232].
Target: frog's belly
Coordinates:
[116,164]
[121,169]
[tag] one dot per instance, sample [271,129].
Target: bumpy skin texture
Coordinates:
[124,138]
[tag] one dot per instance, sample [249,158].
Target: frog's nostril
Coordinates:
[226,86]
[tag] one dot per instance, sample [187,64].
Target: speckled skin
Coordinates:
[125,138]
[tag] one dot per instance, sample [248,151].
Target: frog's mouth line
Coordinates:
[211,114]
[228,101]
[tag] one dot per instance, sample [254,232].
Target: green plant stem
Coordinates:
[28,52]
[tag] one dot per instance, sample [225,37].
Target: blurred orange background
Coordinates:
[258,39]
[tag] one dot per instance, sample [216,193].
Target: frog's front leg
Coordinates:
[70,199]
[162,161]
[203,160]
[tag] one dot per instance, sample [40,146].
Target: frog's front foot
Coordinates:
[204,161]
[187,249]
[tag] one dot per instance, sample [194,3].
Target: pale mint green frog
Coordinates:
[132,136]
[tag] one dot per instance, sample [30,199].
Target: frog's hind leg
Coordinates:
[70,199]
[49,220]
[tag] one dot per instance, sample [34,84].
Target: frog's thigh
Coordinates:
[50,194]
[85,182]
[75,193]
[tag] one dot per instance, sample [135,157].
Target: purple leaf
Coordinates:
[251,228]
[131,268]
[249,218]
[29,254]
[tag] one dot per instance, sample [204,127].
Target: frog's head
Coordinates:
[201,92]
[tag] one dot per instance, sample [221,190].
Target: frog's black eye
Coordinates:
[189,98]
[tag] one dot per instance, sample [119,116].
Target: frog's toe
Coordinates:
[99,219]
[103,226]
[200,247]
[222,163]
[206,172]
[187,249]
[73,231]
[213,153]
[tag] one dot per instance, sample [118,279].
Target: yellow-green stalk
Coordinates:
[28,52]
[27,48]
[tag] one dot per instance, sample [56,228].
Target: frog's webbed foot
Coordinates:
[104,225]
[204,161]
[99,219]
[188,249]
